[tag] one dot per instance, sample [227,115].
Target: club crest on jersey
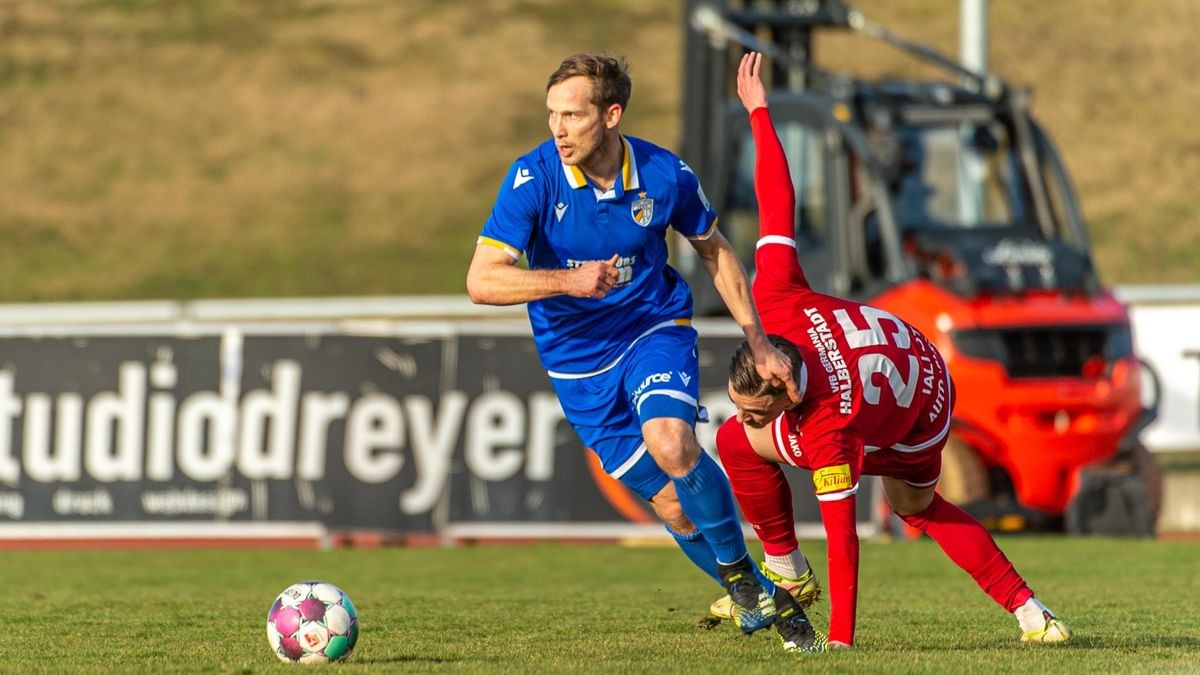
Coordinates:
[642,209]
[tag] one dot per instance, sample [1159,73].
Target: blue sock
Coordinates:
[698,551]
[707,500]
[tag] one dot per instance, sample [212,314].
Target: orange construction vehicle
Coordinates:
[946,203]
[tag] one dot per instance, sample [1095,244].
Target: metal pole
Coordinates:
[973,35]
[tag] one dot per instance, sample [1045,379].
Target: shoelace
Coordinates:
[795,624]
[746,591]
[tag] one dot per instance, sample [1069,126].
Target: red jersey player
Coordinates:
[876,399]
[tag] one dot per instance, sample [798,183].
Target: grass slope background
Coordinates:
[589,608]
[216,148]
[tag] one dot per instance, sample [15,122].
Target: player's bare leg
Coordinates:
[972,548]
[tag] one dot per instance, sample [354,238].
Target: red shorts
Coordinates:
[921,468]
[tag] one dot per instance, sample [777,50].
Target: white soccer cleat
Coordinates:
[1054,630]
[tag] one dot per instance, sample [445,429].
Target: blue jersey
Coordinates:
[551,213]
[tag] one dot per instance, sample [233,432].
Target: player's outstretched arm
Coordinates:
[772,179]
[775,259]
[493,279]
[729,278]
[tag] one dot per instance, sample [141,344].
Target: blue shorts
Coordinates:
[658,377]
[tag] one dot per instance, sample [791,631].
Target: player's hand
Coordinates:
[593,279]
[749,84]
[775,367]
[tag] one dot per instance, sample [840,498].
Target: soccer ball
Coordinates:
[312,622]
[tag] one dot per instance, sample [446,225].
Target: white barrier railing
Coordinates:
[1166,323]
[1166,327]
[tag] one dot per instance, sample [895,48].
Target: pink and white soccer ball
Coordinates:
[312,622]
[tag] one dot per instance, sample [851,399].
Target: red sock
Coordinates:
[761,490]
[972,548]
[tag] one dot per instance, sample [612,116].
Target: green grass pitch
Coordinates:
[589,608]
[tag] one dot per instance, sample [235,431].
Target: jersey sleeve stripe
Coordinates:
[780,443]
[496,243]
[706,234]
[775,239]
[835,496]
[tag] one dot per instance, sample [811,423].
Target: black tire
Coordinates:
[1149,473]
[1122,497]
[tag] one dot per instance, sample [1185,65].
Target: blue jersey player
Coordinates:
[589,210]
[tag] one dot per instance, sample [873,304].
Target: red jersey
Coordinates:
[868,380]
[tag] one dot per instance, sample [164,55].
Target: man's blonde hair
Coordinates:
[609,76]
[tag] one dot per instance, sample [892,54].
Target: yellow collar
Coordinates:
[629,171]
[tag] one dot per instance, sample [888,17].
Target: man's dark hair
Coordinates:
[744,377]
[609,76]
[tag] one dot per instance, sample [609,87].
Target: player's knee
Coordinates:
[672,443]
[905,499]
[677,459]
